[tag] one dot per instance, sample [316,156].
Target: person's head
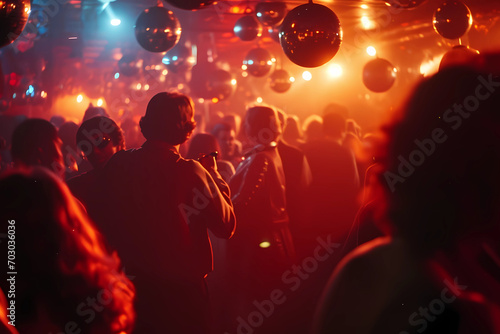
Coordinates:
[93,112]
[336,109]
[292,131]
[169,118]
[226,137]
[262,125]
[57,120]
[202,143]
[334,125]
[441,167]
[313,127]
[61,259]
[35,143]
[234,120]
[99,138]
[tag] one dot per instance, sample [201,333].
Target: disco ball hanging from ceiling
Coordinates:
[270,13]
[247,28]
[258,62]
[157,29]
[452,19]
[13,17]
[310,35]
[379,75]
[279,81]
[459,55]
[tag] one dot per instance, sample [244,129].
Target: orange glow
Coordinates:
[215,100]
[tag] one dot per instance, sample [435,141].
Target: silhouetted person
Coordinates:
[335,185]
[313,128]
[292,133]
[99,138]
[262,248]
[157,209]
[35,143]
[437,271]
[93,111]
[66,279]
[298,179]
[229,145]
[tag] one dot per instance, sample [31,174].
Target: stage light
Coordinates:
[79,99]
[233,82]
[292,79]
[259,99]
[371,51]
[100,102]
[116,22]
[367,23]
[335,70]
[117,75]
[306,75]
[264,244]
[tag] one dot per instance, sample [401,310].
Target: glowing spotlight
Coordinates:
[138,86]
[335,70]
[233,82]
[146,87]
[306,75]
[215,100]
[292,79]
[244,67]
[100,102]
[117,75]
[371,51]
[244,74]
[259,99]
[201,100]
[364,6]
[43,94]
[367,23]
[264,244]
[116,22]
[79,99]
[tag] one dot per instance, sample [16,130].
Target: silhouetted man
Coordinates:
[156,210]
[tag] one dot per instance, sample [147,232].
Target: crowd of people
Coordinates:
[257,224]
